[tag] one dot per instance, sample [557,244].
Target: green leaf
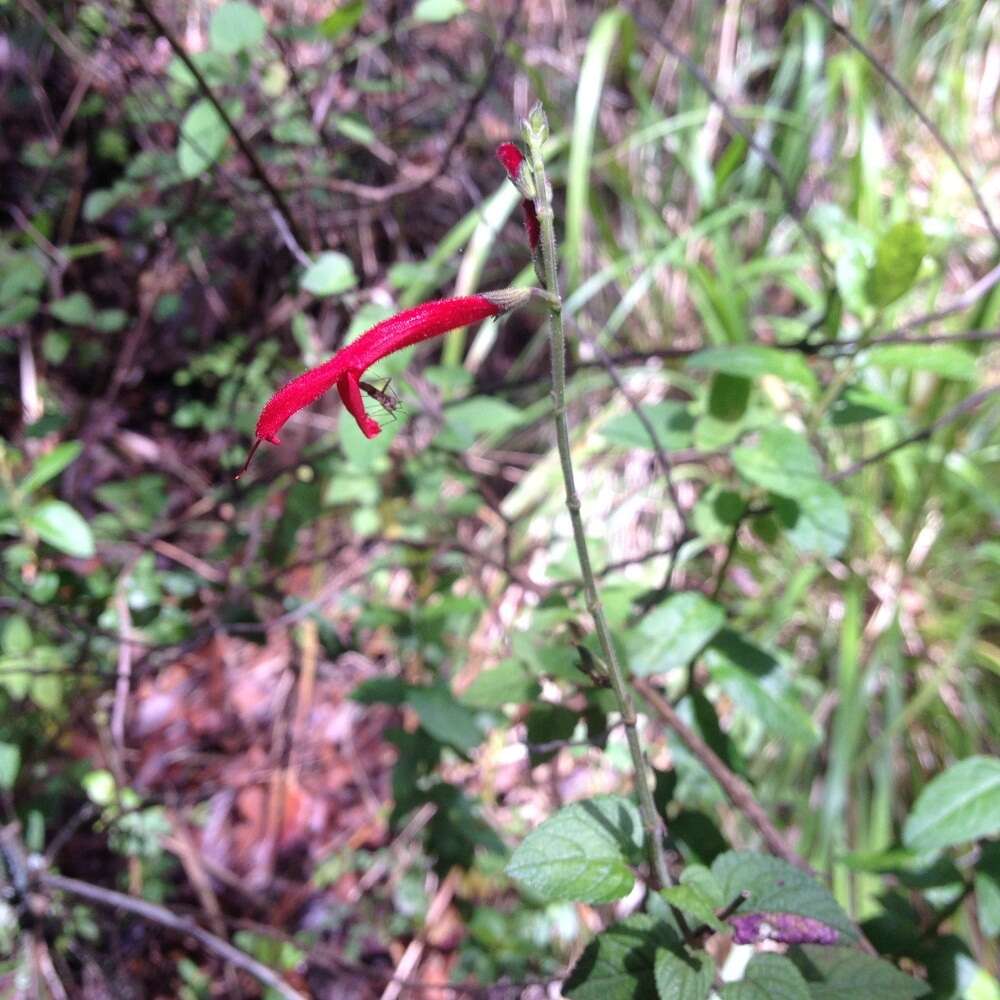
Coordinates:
[202,139]
[15,640]
[75,309]
[959,805]
[671,419]
[947,360]
[835,973]
[698,894]
[110,320]
[437,11]
[465,421]
[766,699]
[63,528]
[100,787]
[381,691]
[987,881]
[683,975]
[857,404]
[816,520]
[619,963]
[236,26]
[332,273]
[781,461]
[345,17]
[671,634]
[898,256]
[21,276]
[446,719]
[20,310]
[768,977]
[716,512]
[10,764]
[507,684]
[728,397]
[754,361]
[547,723]
[776,887]
[47,691]
[600,46]
[49,466]
[295,131]
[581,853]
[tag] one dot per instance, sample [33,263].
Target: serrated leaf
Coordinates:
[754,361]
[619,963]
[898,256]
[947,360]
[768,977]
[846,974]
[959,805]
[671,634]
[581,853]
[781,461]
[236,26]
[776,887]
[49,466]
[62,527]
[331,273]
[203,136]
[683,975]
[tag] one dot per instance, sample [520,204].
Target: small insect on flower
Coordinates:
[345,368]
[386,397]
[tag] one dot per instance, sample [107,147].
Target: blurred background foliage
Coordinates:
[319,707]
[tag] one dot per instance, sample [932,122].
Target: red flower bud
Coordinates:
[517,170]
[512,159]
[347,366]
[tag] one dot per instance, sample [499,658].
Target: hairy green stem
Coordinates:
[652,824]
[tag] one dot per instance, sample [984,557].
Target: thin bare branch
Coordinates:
[897,86]
[160,915]
[925,433]
[255,164]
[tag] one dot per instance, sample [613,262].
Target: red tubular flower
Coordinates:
[345,368]
[517,170]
